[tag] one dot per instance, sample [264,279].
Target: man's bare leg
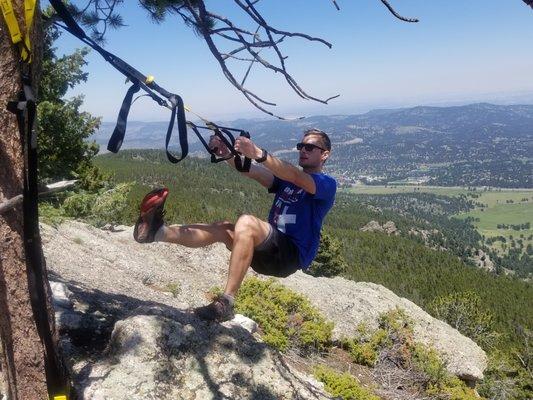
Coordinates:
[249,232]
[199,235]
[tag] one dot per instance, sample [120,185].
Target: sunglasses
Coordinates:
[308,147]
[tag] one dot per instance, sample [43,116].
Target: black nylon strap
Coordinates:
[25,110]
[178,110]
[214,158]
[240,165]
[228,139]
[176,102]
[67,17]
[115,142]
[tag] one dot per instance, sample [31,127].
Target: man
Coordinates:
[287,242]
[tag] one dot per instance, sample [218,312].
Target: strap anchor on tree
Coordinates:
[25,110]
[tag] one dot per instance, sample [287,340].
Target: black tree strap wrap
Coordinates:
[25,110]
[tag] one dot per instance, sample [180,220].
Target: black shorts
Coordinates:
[276,256]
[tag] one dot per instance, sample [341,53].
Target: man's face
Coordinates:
[312,155]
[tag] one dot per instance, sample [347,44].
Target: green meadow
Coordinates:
[498,210]
[497,206]
[392,189]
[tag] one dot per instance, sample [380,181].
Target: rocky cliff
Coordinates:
[127,330]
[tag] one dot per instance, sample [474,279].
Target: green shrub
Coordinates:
[428,362]
[363,353]
[466,312]
[395,334]
[394,327]
[508,376]
[110,205]
[79,205]
[286,318]
[51,215]
[364,348]
[344,386]
[174,288]
[105,207]
[329,261]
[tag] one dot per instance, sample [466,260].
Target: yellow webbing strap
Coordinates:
[29,11]
[12,25]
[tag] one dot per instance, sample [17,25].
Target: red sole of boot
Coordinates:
[153,199]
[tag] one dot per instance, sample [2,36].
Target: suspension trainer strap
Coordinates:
[147,83]
[179,110]
[228,139]
[115,142]
[240,164]
[214,158]
[25,110]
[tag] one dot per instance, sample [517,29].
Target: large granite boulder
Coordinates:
[347,304]
[157,355]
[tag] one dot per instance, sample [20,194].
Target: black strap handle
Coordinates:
[214,158]
[228,139]
[178,110]
[115,142]
[241,164]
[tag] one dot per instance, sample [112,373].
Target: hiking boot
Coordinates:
[220,310]
[151,215]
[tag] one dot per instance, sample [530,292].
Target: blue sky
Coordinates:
[461,51]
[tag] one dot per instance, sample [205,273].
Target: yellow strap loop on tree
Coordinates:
[29,12]
[12,25]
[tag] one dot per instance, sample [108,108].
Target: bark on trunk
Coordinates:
[23,351]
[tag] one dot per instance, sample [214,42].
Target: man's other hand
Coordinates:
[247,148]
[218,146]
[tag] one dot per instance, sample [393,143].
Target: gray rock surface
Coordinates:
[388,227]
[349,303]
[482,260]
[184,358]
[112,281]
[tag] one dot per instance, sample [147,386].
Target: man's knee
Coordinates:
[247,224]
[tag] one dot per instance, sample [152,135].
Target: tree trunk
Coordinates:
[27,353]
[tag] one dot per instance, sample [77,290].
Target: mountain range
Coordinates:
[472,145]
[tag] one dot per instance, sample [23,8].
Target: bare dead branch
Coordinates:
[210,26]
[253,14]
[393,12]
[48,189]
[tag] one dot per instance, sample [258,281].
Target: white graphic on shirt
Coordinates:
[285,218]
[287,197]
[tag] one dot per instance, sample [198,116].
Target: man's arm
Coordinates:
[257,172]
[277,167]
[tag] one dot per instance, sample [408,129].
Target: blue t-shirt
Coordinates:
[299,214]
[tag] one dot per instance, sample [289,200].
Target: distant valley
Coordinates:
[473,145]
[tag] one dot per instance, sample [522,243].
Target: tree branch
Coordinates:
[48,189]
[195,14]
[393,12]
